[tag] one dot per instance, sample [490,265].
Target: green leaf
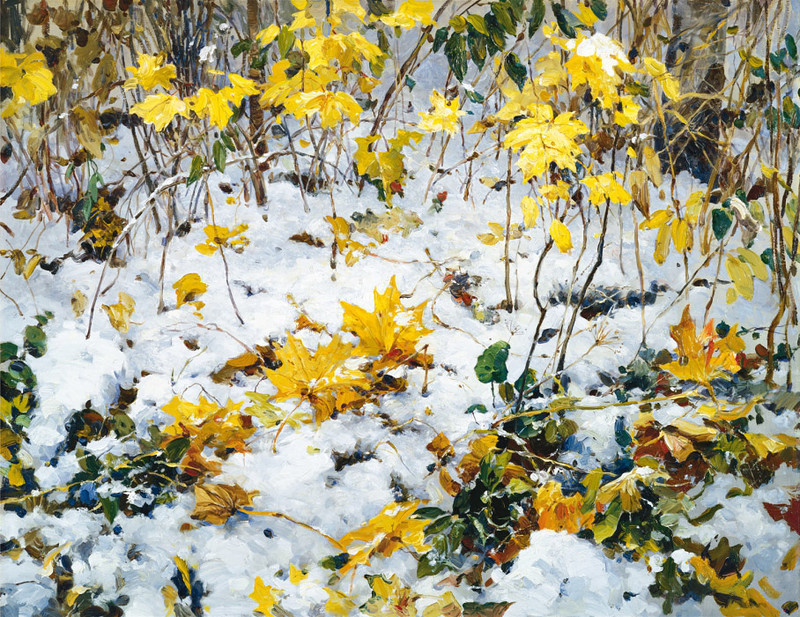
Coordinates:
[285,41]
[479,23]
[195,171]
[768,258]
[440,524]
[491,364]
[410,83]
[428,512]
[706,516]
[477,47]
[455,50]
[791,46]
[430,564]
[242,46]
[721,221]
[176,449]
[489,609]
[563,21]
[477,408]
[439,38]
[220,155]
[35,341]
[504,17]
[8,351]
[377,8]
[606,528]
[536,18]
[516,70]
[474,96]
[599,8]
[110,507]
[227,141]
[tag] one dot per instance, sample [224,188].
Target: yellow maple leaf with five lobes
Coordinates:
[265,596]
[28,77]
[607,186]
[409,14]
[331,106]
[444,116]
[119,314]
[392,528]
[703,357]
[151,72]
[320,378]
[390,331]
[543,139]
[160,109]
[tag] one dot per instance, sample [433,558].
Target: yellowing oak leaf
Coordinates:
[160,109]
[265,596]
[561,236]
[703,356]
[216,503]
[319,378]
[389,530]
[444,116]
[188,288]
[151,72]
[390,331]
[119,314]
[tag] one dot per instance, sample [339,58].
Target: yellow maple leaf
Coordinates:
[392,528]
[265,596]
[560,513]
[659,72]
[607,186]
[188,288]
[320,378]
[119,314]
[444,116]
[28,77]
[409,14]
[703,356]
[331,107]
[216,503]
[212,105]
[160,109]
[151,72]
[269,34]
[543,139]
[390,598]
[626,488]
[390,331]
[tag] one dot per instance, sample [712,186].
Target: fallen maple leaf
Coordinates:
[216,503]
[119,314]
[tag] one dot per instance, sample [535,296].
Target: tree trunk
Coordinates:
[254,109]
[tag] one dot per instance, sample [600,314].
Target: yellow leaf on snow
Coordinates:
[296,575]
[216,503]
[265,596]
[392,528]
[188,288]
[338,603]
[119,314]
[561,236]
[390,331]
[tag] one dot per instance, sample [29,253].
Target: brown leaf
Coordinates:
[216,503]
[490,609]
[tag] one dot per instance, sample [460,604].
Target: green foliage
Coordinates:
[491,364]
